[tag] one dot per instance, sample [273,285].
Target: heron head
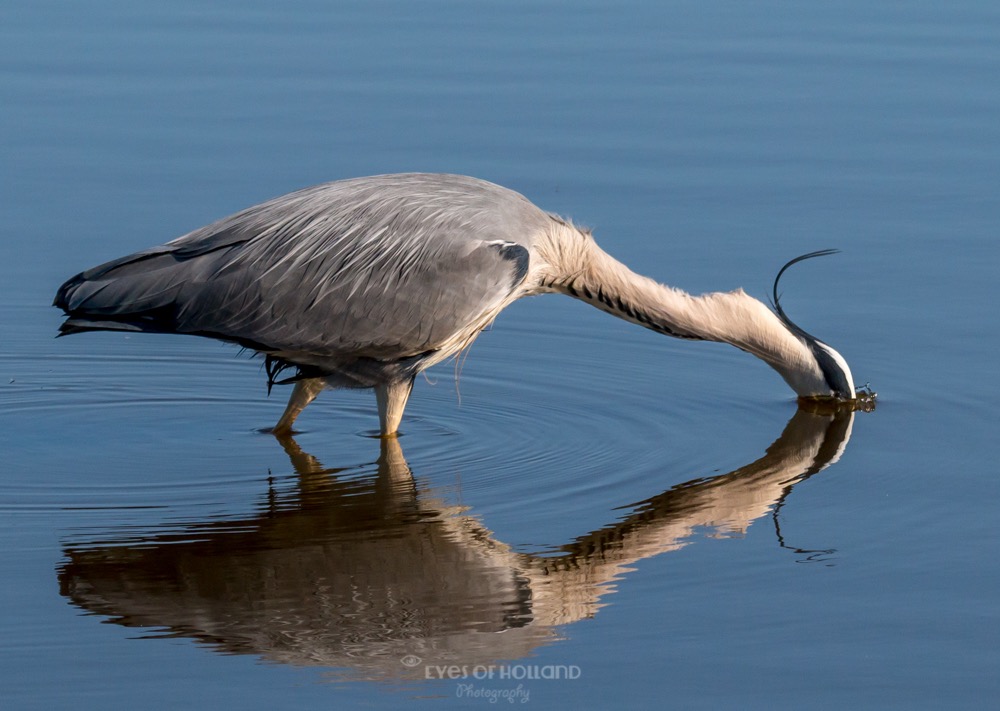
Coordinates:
[827,375]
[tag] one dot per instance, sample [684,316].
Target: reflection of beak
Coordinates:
[568,584]
[864,400]
[359,570]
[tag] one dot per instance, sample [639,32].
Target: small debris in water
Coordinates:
[865,398]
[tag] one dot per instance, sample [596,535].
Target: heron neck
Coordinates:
[579,268]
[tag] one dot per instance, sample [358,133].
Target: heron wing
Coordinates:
[386,267]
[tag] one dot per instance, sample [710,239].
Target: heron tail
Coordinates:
[139,292]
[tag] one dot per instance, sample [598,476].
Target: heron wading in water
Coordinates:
[364,283]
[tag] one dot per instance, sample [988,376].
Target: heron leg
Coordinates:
[304,393]
[391,398]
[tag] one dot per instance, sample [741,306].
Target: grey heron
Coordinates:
[364,283]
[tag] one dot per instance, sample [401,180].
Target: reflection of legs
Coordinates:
[391,398]
[395,490]
[392,464]
[304,393]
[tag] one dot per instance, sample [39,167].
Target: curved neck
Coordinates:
[578,267]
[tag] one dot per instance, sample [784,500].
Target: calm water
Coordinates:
[652,521]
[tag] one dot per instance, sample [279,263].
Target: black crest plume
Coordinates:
[777,299]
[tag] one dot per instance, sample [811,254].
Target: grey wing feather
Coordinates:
[387,267]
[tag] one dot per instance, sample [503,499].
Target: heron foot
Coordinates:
[280,432]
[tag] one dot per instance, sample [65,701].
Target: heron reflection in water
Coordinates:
[357,575]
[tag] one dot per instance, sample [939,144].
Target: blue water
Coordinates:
[651,520]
